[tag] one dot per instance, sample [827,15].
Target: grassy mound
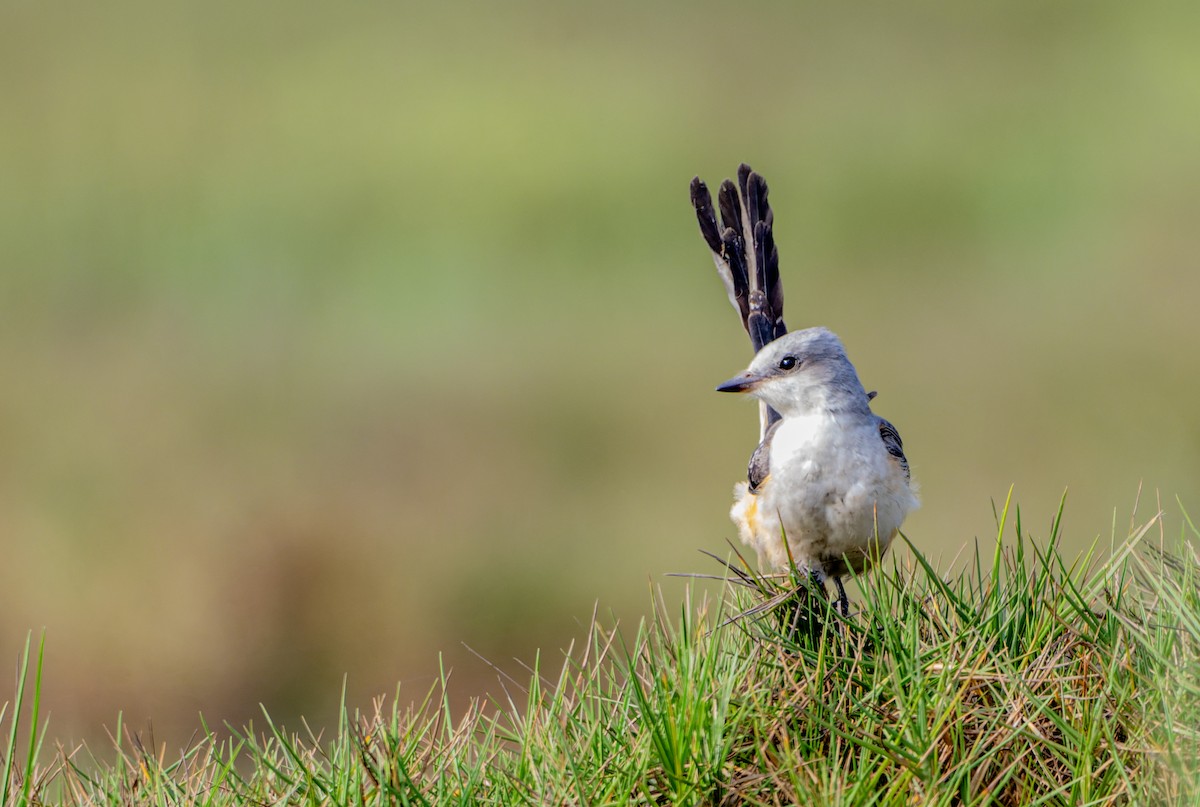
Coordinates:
[1037,681]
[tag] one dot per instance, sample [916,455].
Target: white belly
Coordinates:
[833,490]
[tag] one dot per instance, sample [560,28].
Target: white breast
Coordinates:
[832,489]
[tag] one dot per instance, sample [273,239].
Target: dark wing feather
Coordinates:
[894,445]
[760,460]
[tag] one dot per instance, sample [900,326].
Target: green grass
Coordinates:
[1032,680]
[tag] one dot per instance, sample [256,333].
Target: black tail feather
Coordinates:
[728,256]
[758,324]
[731,206]
[735,257]
[702,201]
[745,254]
[751,198]
[743,174]
[743,247]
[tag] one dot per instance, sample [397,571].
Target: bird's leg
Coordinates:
[842,602]
[818,579]
[817,576]
[800,611]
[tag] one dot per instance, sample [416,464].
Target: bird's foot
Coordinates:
[842,602]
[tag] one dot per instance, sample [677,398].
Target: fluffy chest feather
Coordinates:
[824,445]
[832,483]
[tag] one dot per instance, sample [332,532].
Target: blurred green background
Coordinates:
[334,336]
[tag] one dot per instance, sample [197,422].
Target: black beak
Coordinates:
[745,382]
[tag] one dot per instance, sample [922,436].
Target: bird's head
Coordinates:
[801,372]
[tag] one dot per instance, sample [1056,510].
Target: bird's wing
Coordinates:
[894,445]
[743,249]
[760,460]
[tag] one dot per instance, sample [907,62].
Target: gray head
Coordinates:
[802,372]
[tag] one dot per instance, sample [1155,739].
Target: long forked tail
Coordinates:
[743,248]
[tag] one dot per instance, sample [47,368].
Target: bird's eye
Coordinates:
[787,363]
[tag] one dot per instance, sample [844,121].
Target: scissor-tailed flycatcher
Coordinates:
[829,476]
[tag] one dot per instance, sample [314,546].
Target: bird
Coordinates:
[829,485]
